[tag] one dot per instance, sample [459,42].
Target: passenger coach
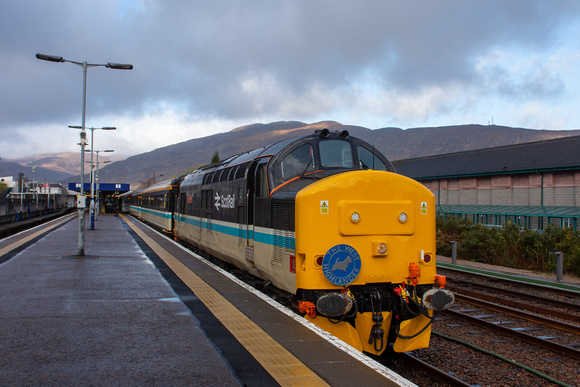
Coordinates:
[154,204]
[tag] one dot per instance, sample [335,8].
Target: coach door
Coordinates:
[205,224]
[257,189]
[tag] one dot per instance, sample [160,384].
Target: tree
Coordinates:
[145,183]
[215,158]
[3,189]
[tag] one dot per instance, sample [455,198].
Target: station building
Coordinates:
[531,184]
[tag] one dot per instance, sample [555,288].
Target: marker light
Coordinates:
[403,217]
[382,248]
[355,217]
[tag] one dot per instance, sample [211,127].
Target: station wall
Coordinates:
[561,188]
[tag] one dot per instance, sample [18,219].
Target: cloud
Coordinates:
[375,62]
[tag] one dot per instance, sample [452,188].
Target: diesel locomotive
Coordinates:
[324,218]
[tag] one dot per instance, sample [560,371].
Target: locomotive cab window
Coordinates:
[320,156]
[299,161]
[336,154]
[369,160]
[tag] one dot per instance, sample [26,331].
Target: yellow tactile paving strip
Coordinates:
[279,362]
[11,246]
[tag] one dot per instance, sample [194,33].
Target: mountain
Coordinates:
[41,174]
[395,143]
[66,162]
[57,167]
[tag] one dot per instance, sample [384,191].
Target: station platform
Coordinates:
[568,282]
[139,309]
[7,229]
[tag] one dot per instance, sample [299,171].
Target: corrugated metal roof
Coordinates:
[554,154]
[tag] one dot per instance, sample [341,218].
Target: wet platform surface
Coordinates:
[102,318]
[137,309]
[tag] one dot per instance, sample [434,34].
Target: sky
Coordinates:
[207,67]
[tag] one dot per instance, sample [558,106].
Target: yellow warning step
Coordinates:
[277,360]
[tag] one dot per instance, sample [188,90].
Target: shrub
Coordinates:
[510,246]
[448,230]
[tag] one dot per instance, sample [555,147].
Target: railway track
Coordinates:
[516,331]
[554,291]
[420,372]
[509,309]
[530,331]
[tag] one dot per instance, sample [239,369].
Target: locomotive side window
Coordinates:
[335,154]
[368,160]
[241,171]
[300,160]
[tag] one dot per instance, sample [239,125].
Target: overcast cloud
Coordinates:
[203,67]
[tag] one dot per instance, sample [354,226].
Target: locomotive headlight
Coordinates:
[438,299]
[355,217]
[334,304]
[403,217]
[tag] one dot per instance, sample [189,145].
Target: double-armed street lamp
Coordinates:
[83,142]
[92,176]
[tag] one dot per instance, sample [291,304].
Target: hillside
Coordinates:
[50,167]
[41,174]
[395,143]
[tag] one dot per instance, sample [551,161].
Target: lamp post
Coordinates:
[92,176]
[98,171]
[85,66]
[33,189]
[98,201]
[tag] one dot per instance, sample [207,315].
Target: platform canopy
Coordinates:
[531,216]
[112,188]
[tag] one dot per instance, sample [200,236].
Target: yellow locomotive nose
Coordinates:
[381,220]
[365,251]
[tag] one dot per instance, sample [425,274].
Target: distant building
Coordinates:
[531,184]
[9,181]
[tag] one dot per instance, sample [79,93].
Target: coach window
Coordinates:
[299,161]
